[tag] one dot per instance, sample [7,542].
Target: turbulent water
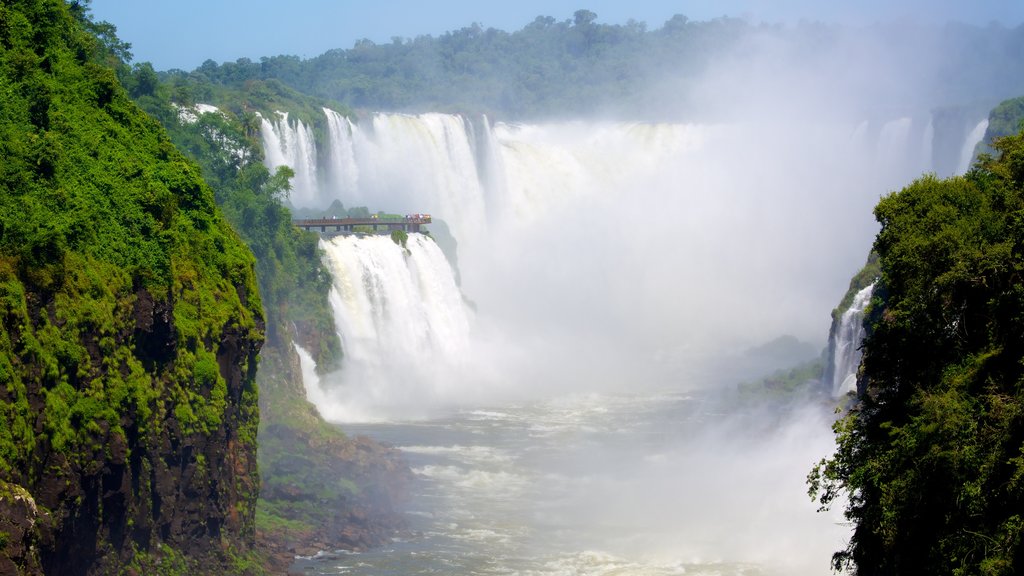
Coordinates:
[402,322]
[606,484]
[602,264]
[637,248]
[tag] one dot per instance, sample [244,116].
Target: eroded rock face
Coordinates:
[300,455]
[20,520]
[121,488]
[129,325]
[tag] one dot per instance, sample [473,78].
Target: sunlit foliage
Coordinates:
[932,457]
[120,283]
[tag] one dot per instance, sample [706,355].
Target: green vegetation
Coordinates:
[800,379]
[313,477]
[861,280]
[576,67]
[400,237]
[932,456]
[1006,119]
[549,67]
[129,312]
[335,210]
[292,280]
[316,479]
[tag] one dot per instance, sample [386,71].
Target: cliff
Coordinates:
[844,340]
[129,326]
[321,489]
[931,455]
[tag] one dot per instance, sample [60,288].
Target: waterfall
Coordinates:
[928,147]
[967,151]
[844,345]
[403,323]
[893,139]
[896,146]
[342,168]
[310,379]
[628,250]
[291,144]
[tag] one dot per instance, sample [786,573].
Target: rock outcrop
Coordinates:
[322,490]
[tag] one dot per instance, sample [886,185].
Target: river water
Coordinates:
[670,483]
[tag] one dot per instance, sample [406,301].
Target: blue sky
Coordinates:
[184,33]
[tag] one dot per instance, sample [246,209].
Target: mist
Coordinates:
[613,252]
[572,400]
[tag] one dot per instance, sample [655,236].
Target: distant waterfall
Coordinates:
[342,166]
[893,140]
[402,321]
[844,345]
[967,152]
[473,173]
[291,144]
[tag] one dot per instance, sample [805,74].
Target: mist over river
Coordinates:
[566,400]
[559,361]
[675,483]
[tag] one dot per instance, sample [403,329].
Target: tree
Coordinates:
[932,456]
[145,80]
[582,18]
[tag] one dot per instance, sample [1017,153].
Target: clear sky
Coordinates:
[184,33]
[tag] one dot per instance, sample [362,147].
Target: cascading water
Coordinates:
[973,138]
[601,257]
[605,239]
[893,140]
[844,344]
[291,144]
[403,325]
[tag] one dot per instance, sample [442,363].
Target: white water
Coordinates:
[606,484]
[291,143]
[403,324]
[602,243]
[602,257]
[967,152]
[846,342]
[190,114]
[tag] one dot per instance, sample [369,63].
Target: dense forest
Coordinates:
[131,315]
[320,489]
[932,456]
[130,323]
[318,486]
[581,67]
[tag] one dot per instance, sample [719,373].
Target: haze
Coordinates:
[185,34]
[616,267]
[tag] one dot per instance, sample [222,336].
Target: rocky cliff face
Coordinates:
[129,326]
[141,476]
[322,490]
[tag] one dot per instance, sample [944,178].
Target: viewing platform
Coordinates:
[372,225]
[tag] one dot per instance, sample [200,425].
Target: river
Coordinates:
[671,483]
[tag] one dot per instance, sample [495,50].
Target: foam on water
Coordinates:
[706,496]
[486,454]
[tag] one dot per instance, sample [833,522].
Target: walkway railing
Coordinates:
[372,225]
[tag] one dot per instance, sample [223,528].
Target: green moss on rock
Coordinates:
[130,321]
